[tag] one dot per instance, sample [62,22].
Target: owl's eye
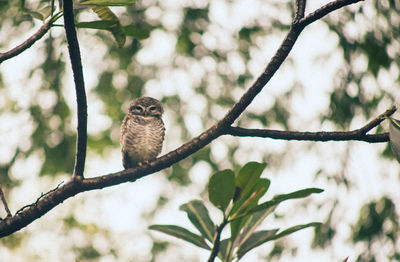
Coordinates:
[136,109]
[152,108]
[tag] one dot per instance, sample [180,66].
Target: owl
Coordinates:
[142,132]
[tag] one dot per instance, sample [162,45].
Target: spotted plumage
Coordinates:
[142,132]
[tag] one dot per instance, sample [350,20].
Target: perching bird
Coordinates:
[142,132]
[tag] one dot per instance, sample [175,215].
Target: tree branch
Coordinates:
[27,43]
[326,9]
[75,57]
[358,134]
[300,9]
[3,199]
[217,241]
[75,186]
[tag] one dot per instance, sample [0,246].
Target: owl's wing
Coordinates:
[126,161]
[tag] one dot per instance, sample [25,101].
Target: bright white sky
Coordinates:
[119,208]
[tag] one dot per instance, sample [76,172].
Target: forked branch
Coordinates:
[11,224]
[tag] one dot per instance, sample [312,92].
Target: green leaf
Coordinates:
[116,29]
[298,194]
[294,229]
[104,25]
[223,250]
[280,198]
[41,14]
[221,188]
[250,199]
[137,33]
[256,239]
[181,233]
[261,237]
[108,2]
[251,225]
[248,175]
[198,215]
[247,204]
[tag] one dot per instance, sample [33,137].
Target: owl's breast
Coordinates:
[143,138]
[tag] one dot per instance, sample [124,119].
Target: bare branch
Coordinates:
[300,9]
[308,136]
[27,43]
[358,134]
[375,122]
[326,9]
[75,57]
[3,199]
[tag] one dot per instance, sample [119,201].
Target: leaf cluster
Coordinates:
[237,196]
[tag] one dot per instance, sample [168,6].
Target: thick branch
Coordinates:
[75,57]
[27,43]
[73,187]
[358,134]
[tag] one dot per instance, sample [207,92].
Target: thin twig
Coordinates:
[41,196]
[217,241]
[75,57]
[300,9]
[358,134]
[326,9]
[27,43]
[3,199]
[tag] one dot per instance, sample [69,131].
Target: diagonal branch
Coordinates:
[27,43]
[326,9]
[73,187]
[75,57]
[358,134]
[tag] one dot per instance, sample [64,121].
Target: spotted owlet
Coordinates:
[142,132]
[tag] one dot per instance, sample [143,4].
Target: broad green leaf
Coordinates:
[251,225]
[136,32]
[221,188]
[223,250]
[250,198]
[104,25]
[181,233]
[256,239]
[198,215]
[117,31]
[247,177]
[249,174]
[259,190]
[108,2]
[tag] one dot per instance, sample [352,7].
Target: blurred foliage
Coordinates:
[368,38]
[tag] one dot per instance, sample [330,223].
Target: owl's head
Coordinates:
[146,106]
